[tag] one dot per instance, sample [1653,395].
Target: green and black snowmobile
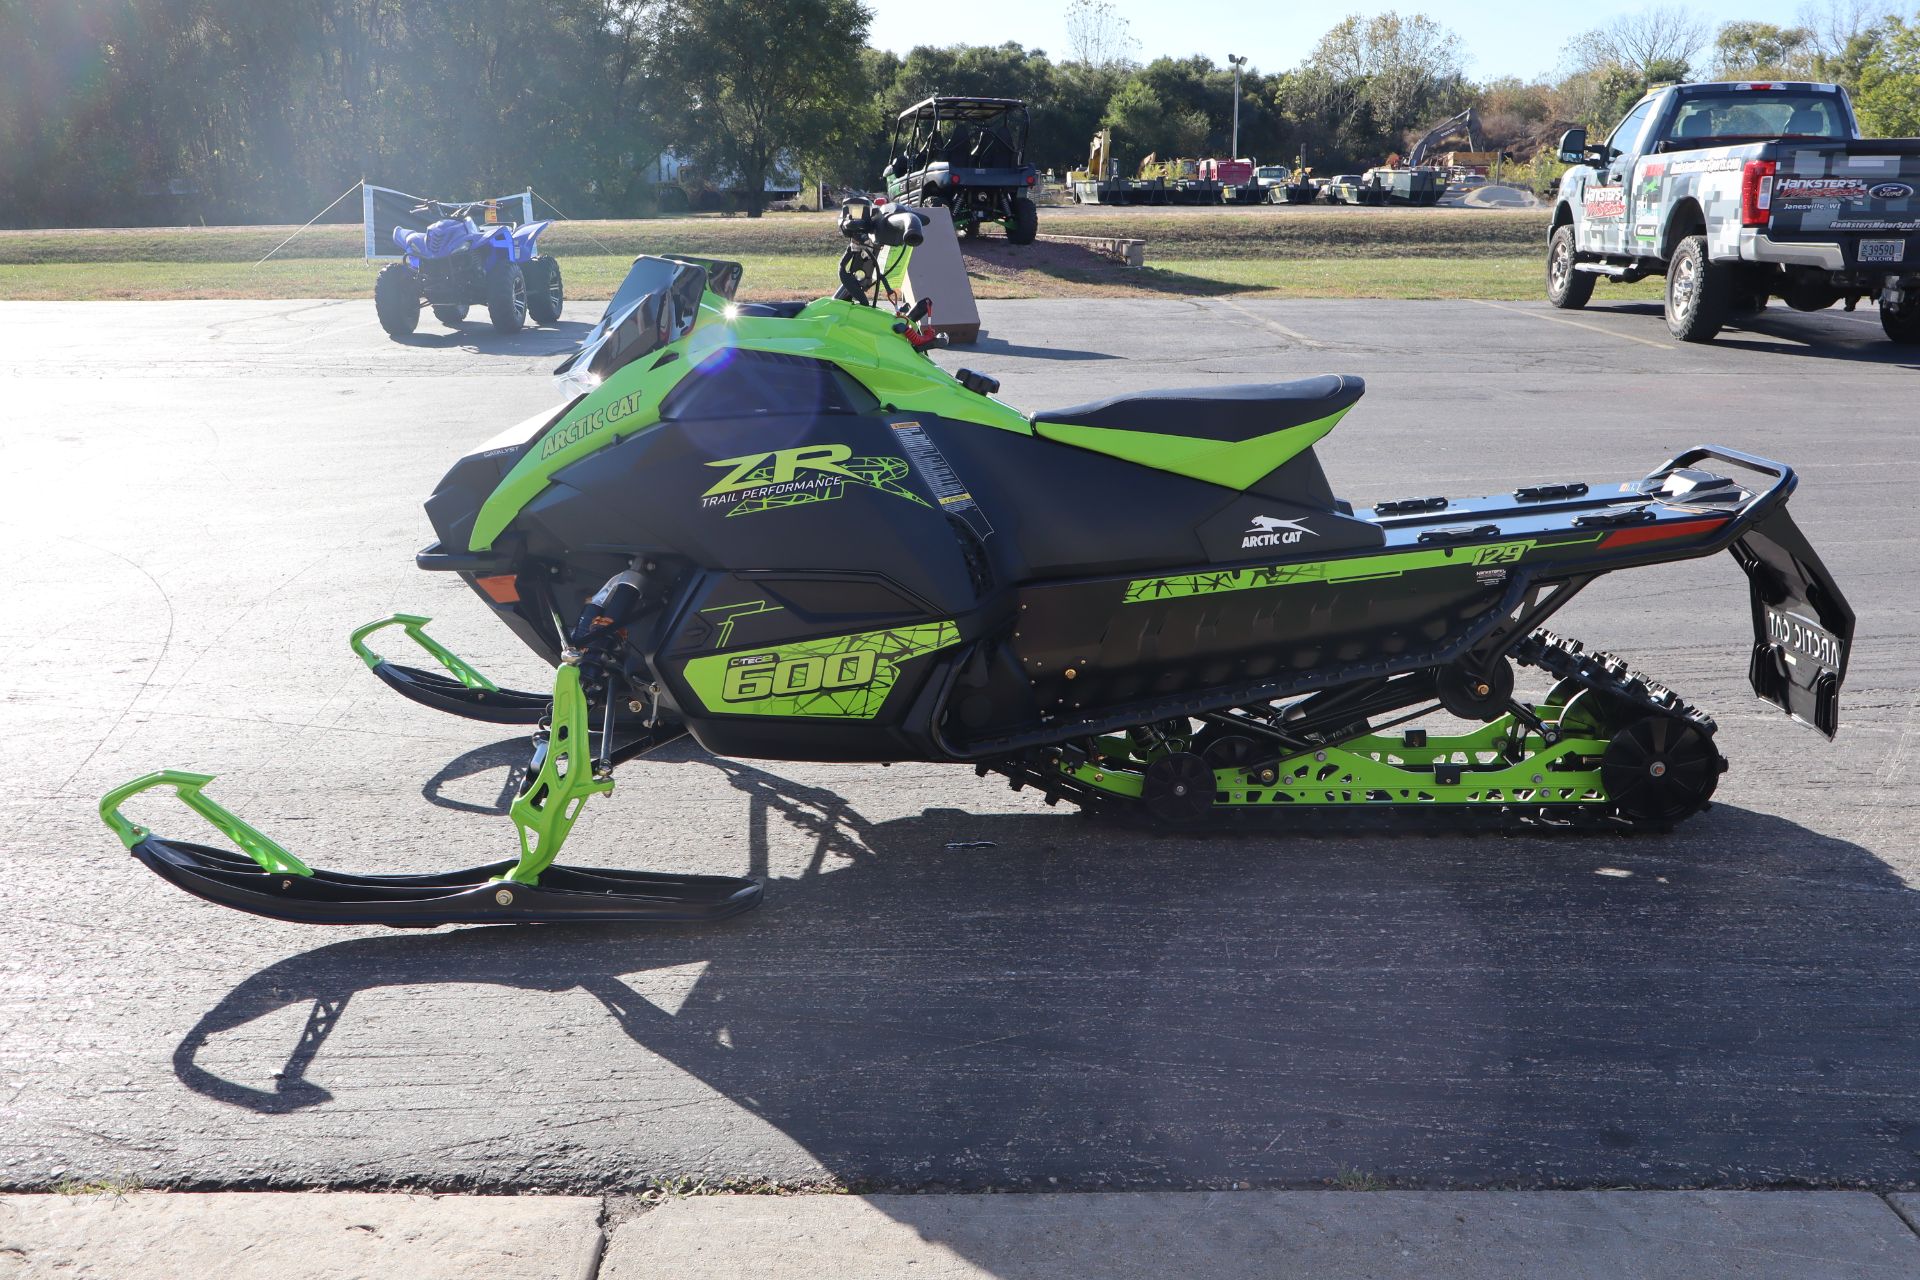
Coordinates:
[784,530]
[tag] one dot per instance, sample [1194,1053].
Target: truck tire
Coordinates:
[1699,292]
[1026,222]
[1567,288]
[1902,323]
[507,297]
[396,299]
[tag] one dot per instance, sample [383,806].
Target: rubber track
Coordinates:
[1558,656]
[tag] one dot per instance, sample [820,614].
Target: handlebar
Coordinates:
[863,223]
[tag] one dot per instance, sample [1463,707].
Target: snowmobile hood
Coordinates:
[685,335]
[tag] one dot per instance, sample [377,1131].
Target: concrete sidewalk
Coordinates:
[1329,1235]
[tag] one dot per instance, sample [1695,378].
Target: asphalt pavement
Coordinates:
[201,499]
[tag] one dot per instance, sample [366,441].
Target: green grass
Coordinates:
[790,276]
[587,277]
[1273,251]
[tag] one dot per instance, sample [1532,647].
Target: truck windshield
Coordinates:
[1757,113]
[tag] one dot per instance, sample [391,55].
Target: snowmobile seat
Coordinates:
[1230,436]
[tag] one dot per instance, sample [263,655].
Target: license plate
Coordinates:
[1883,250]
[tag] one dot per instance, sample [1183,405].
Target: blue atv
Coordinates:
[454,265]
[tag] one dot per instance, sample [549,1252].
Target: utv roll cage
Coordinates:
[975,133]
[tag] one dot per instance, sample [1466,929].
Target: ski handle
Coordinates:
[189,787]
[413,624]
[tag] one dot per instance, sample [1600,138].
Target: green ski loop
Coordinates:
[544,813]
[414,625]
[189,787]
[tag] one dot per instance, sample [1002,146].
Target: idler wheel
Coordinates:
[1660,769]
[1482,696]
[1178,789]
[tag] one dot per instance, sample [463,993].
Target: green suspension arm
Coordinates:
[544,813]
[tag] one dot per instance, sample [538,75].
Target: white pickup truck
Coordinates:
[1737,193]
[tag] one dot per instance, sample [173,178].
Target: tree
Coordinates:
[1369,80]
[1888,96]
[770,81]
[1097,35]
[1670,35]
[1763,51]
[1143,124]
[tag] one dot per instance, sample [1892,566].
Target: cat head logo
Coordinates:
[1271,531]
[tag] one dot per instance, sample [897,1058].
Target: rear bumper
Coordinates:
[1757,246]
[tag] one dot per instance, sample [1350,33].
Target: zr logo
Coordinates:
[761,675]
[756,470]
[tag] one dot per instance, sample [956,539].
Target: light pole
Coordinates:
[1233,153]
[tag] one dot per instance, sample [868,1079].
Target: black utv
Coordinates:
[970,155]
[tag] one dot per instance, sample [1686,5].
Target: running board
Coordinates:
[1607,269]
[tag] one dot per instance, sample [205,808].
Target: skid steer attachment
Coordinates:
[265,879]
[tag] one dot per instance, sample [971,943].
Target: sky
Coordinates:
[1501,37]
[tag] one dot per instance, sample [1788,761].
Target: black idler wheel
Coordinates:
[1178,789]
[1661,769]
[1482,696]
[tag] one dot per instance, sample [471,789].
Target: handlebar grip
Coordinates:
[903,228]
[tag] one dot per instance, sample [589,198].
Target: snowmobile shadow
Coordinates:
[509,755]
[481,338]
[1082,1005]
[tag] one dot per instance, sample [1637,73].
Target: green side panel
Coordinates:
[1234,465]
[836,678]
[1351,569]
[859,339]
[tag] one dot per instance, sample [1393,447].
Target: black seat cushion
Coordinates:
[1217,413]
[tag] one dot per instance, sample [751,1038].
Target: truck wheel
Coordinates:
[507,297]
[450,316]
[1026,222]
[396,299]
[1699,292]
[546,295]
[1902,323]
[1567,288]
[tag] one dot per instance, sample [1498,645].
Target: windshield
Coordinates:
[658,302]
[1757,113]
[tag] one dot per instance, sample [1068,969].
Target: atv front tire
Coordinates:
[396,299]
[1699,292]
[1568,288]
[1902,323]
[507,298]
[546,295]
[1026,222]
[450,316]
